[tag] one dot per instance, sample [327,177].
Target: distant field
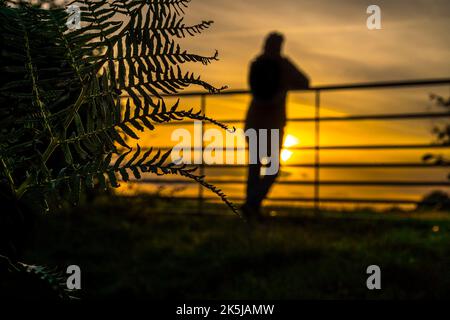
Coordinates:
[126,251]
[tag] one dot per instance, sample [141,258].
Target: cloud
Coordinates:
[329,38]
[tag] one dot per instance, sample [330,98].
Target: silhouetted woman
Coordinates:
[271,76]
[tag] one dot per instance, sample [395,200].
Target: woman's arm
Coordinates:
[296,79]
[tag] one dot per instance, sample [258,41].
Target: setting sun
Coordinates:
[289,141]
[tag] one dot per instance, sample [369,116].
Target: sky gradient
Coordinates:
[329,41]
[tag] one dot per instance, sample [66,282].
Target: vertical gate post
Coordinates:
[317,154]
[202,146]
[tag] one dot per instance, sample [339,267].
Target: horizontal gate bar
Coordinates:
[302,182]
[338,165]
[400,116]
[362,147]
[303,199]
[317,89]
[332,87]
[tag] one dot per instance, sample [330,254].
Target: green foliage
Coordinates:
[63,91]
[47,282]
[72,100]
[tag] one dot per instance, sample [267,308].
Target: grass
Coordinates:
[125,250]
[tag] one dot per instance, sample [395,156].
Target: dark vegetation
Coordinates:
[442,133]
[73,102]
[438,200]
[139,248]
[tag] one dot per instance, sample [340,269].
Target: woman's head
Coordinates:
[273,44]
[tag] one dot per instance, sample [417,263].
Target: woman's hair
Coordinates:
[273,43]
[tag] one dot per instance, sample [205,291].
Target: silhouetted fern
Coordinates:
[70,97]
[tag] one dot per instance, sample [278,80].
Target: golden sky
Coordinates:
[329,40]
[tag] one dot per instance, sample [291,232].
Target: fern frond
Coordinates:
[151,57]
[201,180]
[31,70]
[164,7]
[57,24]
[159,7]
[140,119]
[136,165]
[75,80]
[174,26]
[50,278]
[62,120]
[157,84]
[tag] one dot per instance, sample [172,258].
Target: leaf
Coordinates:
[63,91]
[112,179]
[124,174]
[134,157]
[128,131]
[120,159]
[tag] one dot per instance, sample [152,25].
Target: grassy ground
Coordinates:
[125,250]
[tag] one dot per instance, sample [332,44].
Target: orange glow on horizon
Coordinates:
[289,141]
